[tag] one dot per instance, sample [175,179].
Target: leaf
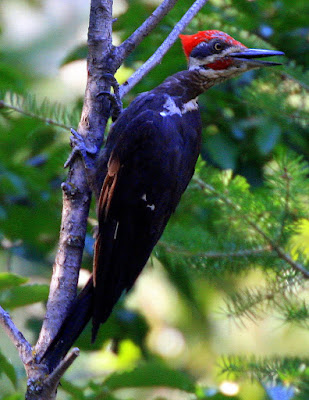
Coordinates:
[151,374]
[267,137]
[8,280]
[222,151]
[16,396]
[7,368]
[122,324]
[73,390]
[23,295]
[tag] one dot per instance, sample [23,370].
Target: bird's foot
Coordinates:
[81,149]
[114,98]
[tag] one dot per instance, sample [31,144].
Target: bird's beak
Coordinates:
[250,55]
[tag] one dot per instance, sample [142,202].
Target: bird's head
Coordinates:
[218,56]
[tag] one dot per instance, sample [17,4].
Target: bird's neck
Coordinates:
[185,85]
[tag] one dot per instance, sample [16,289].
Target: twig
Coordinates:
[215,254]
[162,50]
[147,26]
[47,121]
[284,256]
[54,378]
[23,346]
[286,75]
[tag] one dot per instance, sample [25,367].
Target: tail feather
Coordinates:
[73,325]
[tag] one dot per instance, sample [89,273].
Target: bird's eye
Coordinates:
[218,46]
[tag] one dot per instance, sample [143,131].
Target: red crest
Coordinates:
[191,41]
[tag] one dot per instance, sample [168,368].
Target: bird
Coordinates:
[143,170]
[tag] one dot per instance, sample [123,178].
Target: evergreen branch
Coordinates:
[248,303]
[157,56]
[275,247]
[244,304]
[272,368]
[215,254]
[23,346]
[297,313]
[50,114]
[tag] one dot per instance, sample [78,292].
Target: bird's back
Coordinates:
[154,147]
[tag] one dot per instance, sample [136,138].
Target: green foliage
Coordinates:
[151,374]
[50,113]
[290,371]
[8,369]
[122,325]
[23,295]
[8,280]
[252,230]
[237,242]
[13,292]
[299,243]
[16,396]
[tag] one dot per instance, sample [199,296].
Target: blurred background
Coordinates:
[174,320]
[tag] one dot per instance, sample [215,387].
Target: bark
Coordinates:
[76,193]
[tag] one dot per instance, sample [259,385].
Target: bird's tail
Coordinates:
[73,325]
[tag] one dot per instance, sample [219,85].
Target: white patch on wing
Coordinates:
[170,108]
[151,206]
[116,231]
[191,105]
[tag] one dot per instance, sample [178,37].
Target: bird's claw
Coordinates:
[80,148]
[114,98]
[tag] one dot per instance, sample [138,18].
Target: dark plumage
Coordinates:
[149,158]
[145,167]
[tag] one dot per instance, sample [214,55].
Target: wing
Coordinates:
[148,169]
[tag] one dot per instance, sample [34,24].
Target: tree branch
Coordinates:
[155,18]
[76,203]
[42,386]
[76,192]
[53,380]
[216,254]
[163,49]
[23,346]
[20,110]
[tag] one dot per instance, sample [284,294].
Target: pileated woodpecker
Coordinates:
[145,167]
